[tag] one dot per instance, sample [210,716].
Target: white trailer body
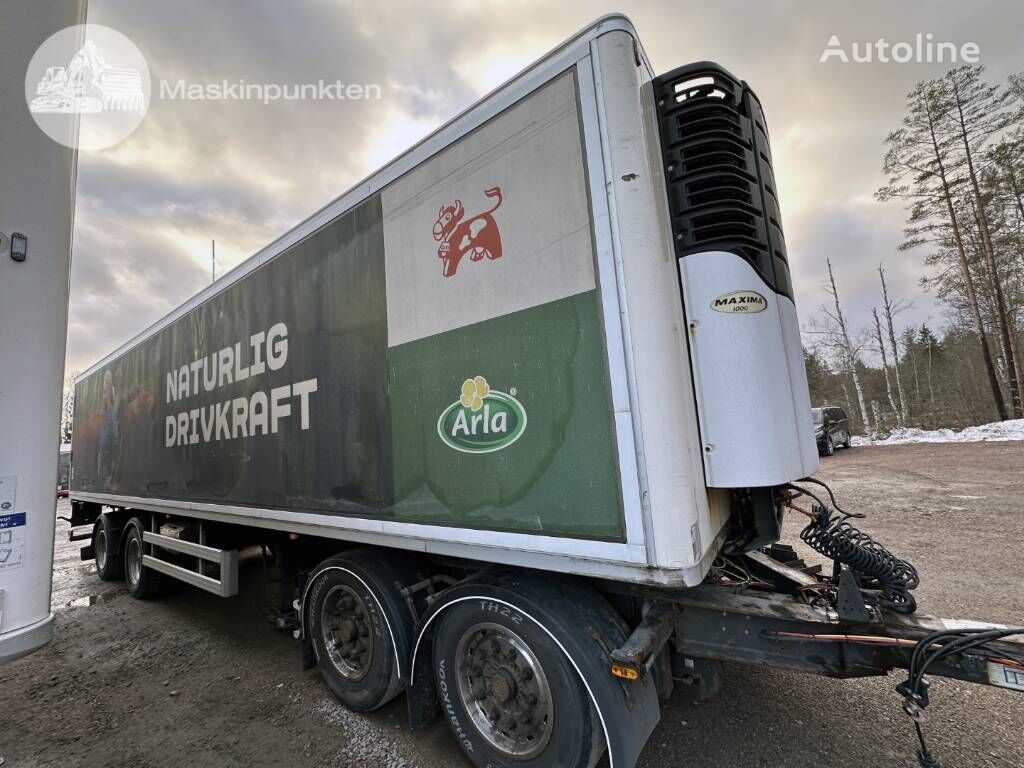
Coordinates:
[700,402]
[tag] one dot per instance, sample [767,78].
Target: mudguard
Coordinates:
[383,574]
[580,622]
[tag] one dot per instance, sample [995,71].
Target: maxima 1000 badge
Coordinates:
[740,302]
[482,420]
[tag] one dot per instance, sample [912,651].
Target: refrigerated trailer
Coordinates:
[523,410]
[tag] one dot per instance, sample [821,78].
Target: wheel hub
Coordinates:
[501,686]
[504,689]
[347,632]
[133,558]
[101,549]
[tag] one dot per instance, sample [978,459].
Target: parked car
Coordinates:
[831,429]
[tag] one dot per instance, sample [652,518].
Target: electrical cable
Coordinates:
[927,651]
[924,758]
[803,492]
[832,496]
[931,649]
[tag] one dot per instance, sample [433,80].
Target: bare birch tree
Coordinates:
[67,408]
[891,309]
[842,342]
[885,368]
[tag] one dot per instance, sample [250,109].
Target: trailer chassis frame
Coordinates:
[773,629]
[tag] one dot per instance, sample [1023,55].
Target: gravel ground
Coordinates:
[194,680]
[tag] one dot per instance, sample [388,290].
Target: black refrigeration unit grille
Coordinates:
[718,170]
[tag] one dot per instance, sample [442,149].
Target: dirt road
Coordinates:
[194,680]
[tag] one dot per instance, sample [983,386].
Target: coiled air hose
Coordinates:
[875,567]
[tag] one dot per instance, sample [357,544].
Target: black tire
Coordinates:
[559,728]
[106,550]
[830,447]
[142,582]
[360,627]
[846,442]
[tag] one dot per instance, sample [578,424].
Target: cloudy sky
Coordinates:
[244,172]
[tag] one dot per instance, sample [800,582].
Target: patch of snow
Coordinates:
[997,431]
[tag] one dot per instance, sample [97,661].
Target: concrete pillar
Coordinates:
[37,194]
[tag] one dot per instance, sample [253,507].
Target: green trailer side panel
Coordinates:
[559,475]
[328,290]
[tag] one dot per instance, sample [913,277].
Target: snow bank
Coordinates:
[997,431]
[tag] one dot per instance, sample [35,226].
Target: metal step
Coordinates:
[227,559]
[80,535]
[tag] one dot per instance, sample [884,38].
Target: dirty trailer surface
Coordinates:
[194,680]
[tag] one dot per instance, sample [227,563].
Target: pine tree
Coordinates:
[817,373]
[909,341]
[1004,187]
[979,112]
[925,174]
[930,350]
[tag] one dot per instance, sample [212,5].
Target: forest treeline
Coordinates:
[956,165]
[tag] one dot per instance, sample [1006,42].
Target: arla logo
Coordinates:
[482,420]
[740,301]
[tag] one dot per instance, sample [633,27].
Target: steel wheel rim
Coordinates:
[502,686]
[347,632]
[101,549]
[133,559]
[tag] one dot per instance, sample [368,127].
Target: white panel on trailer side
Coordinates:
[546,242]
[684,522]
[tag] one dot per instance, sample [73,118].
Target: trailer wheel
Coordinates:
[142,582]
[509,694]
[360,627]
[105,540]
